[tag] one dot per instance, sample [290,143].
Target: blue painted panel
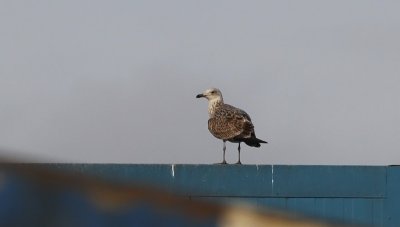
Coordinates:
[392,204]
[320,207]
[323,208]
[249,180]
[276,203]
[378,212]
[303,206]
[219,180]
[193,180]
[356,194]
[330,181]
[362,211]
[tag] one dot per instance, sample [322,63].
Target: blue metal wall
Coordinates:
[368,195]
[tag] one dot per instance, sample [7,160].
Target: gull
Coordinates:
[229,123]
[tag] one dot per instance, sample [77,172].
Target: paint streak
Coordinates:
[173,170]
[272,178]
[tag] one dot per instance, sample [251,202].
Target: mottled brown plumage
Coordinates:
[229,123]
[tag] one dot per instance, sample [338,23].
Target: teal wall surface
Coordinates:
[368,195]
[365,195]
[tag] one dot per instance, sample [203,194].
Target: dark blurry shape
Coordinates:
[97,195]
[57,198]
[240,216]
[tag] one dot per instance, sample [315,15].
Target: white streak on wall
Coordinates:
[173,170]
[272,177]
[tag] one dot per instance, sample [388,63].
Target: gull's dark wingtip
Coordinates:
[254,142]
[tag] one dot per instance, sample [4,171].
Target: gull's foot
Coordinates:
[222,163]
[238,163]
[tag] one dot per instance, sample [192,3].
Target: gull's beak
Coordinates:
[200,96]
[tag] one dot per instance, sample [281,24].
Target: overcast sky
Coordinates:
[115,81]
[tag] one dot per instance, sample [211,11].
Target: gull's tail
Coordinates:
[254,142]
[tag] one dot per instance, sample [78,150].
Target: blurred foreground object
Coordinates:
[185,195]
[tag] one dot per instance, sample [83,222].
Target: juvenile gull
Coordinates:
[229,123]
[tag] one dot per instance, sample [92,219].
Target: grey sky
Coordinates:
[115,81]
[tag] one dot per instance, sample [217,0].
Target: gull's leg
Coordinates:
[224,149]
[239,162]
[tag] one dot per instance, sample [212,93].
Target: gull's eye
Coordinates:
[213,92]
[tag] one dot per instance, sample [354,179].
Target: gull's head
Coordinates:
[212,94]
